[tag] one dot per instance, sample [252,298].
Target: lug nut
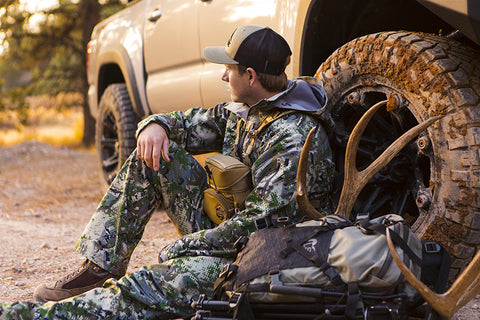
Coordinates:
[393,102]
[353,98]
[423,201]
[423,143]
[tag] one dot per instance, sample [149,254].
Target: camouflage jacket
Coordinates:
[273,155]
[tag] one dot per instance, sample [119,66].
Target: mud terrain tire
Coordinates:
[115,130]
[424,75]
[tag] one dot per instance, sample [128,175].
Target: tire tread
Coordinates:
[429,65]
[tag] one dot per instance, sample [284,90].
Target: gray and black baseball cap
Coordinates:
[259,48]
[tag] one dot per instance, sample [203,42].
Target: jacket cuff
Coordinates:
[155,118]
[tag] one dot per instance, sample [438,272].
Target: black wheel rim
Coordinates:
[403,186]
[109,146]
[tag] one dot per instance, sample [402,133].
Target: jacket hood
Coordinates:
[305,94]
[302,94]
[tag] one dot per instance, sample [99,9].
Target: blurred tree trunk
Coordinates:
[89,11]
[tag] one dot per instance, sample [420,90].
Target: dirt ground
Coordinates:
[47,195]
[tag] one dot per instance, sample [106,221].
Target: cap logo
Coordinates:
[229,42]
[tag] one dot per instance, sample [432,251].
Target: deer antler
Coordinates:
[354,180]
[301,196]
[463,289]
[467,284]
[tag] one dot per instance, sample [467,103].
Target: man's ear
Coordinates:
[252,76]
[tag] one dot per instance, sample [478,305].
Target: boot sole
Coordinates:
[44,294]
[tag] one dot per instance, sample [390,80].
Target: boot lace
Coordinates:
[72,275]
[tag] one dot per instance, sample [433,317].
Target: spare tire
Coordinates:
[434,182]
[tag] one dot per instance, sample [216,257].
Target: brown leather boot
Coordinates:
[87,277]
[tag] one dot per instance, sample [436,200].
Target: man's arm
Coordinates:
[274,174]
[197,130]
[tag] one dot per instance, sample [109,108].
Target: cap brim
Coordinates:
[217,55]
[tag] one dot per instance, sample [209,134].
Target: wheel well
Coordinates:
[330,24]
[109,74]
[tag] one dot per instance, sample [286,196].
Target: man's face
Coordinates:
[238,85]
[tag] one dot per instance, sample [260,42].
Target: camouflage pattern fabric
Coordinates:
[118,224]
[163,291]
[191,264]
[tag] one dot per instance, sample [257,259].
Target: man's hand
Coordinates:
[151,143]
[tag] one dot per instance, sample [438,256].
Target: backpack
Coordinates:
[332,267]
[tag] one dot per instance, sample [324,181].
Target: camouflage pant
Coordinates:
[160,291]
[118,224]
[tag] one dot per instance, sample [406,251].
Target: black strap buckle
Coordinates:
[331,273]
[362,216]
[431,247]
[263,223]
[283,221]
[234,300]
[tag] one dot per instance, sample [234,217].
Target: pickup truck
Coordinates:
[148,59]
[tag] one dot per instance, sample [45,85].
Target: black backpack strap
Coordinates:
[353,300]
[435,272]
[436,269]
[227,271]
[396,238]
[242,310]
[316,258]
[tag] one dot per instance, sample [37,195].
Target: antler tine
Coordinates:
[396,146]
[301,196]
[462,290]
[355,180]
[351,183]
[350,171]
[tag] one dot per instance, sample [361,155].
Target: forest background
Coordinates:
[43,57]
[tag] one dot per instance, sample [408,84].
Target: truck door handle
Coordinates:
[155,15]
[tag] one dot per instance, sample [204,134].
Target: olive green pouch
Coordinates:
[230,182]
